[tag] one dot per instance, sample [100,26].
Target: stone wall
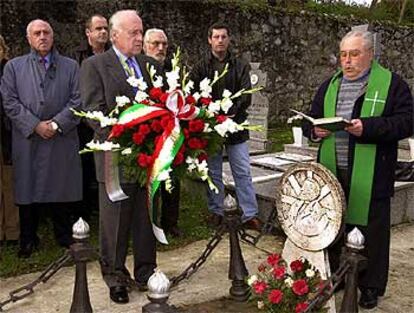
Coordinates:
[296,49]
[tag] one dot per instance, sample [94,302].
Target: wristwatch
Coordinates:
[55,126]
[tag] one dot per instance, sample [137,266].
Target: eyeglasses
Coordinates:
[158,43]
[352,53]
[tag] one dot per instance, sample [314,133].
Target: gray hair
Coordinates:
[151,31]
[116,20]
[367,37]
[29,26]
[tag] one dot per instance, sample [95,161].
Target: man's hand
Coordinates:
[45,130]
[320,132]
[356,128]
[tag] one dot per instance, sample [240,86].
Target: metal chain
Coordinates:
[26,290]
[193,267]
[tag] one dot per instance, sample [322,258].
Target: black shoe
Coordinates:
[254,224]
[369,298]
[119,294]
[141,286]
[174,231]
[214,220]
[26,250]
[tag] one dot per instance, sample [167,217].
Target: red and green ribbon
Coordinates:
[166,148]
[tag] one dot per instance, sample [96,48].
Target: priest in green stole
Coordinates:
[363,156]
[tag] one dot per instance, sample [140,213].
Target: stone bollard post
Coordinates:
[238,273]
[158,293]
[354,245]
[81,251]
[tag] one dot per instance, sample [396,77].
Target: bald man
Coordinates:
[38,90]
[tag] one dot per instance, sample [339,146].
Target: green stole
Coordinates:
[364,155]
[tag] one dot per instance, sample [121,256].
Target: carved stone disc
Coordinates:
[310,205]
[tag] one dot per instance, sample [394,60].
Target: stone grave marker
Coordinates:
[258,110]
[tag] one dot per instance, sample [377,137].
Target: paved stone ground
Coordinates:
[205,292]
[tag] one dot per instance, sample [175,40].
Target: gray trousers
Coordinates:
[117,220]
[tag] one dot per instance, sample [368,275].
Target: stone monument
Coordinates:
[258,110]
[310,207]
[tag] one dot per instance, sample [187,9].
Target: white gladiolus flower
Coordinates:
[252,279]
[142,85]
[228,126]
[121,101]
[104,146]
[207,128]
[196,96]
[188,87]
[214,107]
[141,96]
[226,104]
[310,273]
[103,120]
[205,88]
[158,83]
[289,282]
[133,81]
[172,79]
[164,175]
[226,93]
[152,71]
[126,151]
[260,305]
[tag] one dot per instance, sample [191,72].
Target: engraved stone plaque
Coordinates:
[310,205]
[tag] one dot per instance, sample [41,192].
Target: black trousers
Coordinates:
[170,205]
[61,217]
[377,241]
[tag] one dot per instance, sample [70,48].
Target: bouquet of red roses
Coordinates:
[279,288]
[166,133]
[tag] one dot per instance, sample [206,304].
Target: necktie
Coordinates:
[130,68]
[43,61]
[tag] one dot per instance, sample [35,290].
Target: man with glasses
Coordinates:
[363,156]
[103,78]
[155,46]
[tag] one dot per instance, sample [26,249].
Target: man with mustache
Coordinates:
[364,155]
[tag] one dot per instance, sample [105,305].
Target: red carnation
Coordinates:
[138,138]
[166,122]
[273,259]
[279,272]
[275,296]
[163,97]
[179,158]
[194,143]
[155,93]
[196,126]
[144,129]
[190,99]
[144,160]
[145,101]
[203,143]
[221,118]
[205,101]
[117,131]
[186,133]
[300,287]
[296,266]
[259,287]
[182,149]
[156,126]
[202,157]
[301,307]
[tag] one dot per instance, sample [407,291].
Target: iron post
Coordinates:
[81,251]
[238,273]
[158,294]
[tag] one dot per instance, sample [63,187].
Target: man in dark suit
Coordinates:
[103,77]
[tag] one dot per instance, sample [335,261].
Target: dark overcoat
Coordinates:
[45,170]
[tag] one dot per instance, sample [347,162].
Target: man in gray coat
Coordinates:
[104,77]
[38,90]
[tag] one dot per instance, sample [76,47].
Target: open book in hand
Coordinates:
[332,124]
